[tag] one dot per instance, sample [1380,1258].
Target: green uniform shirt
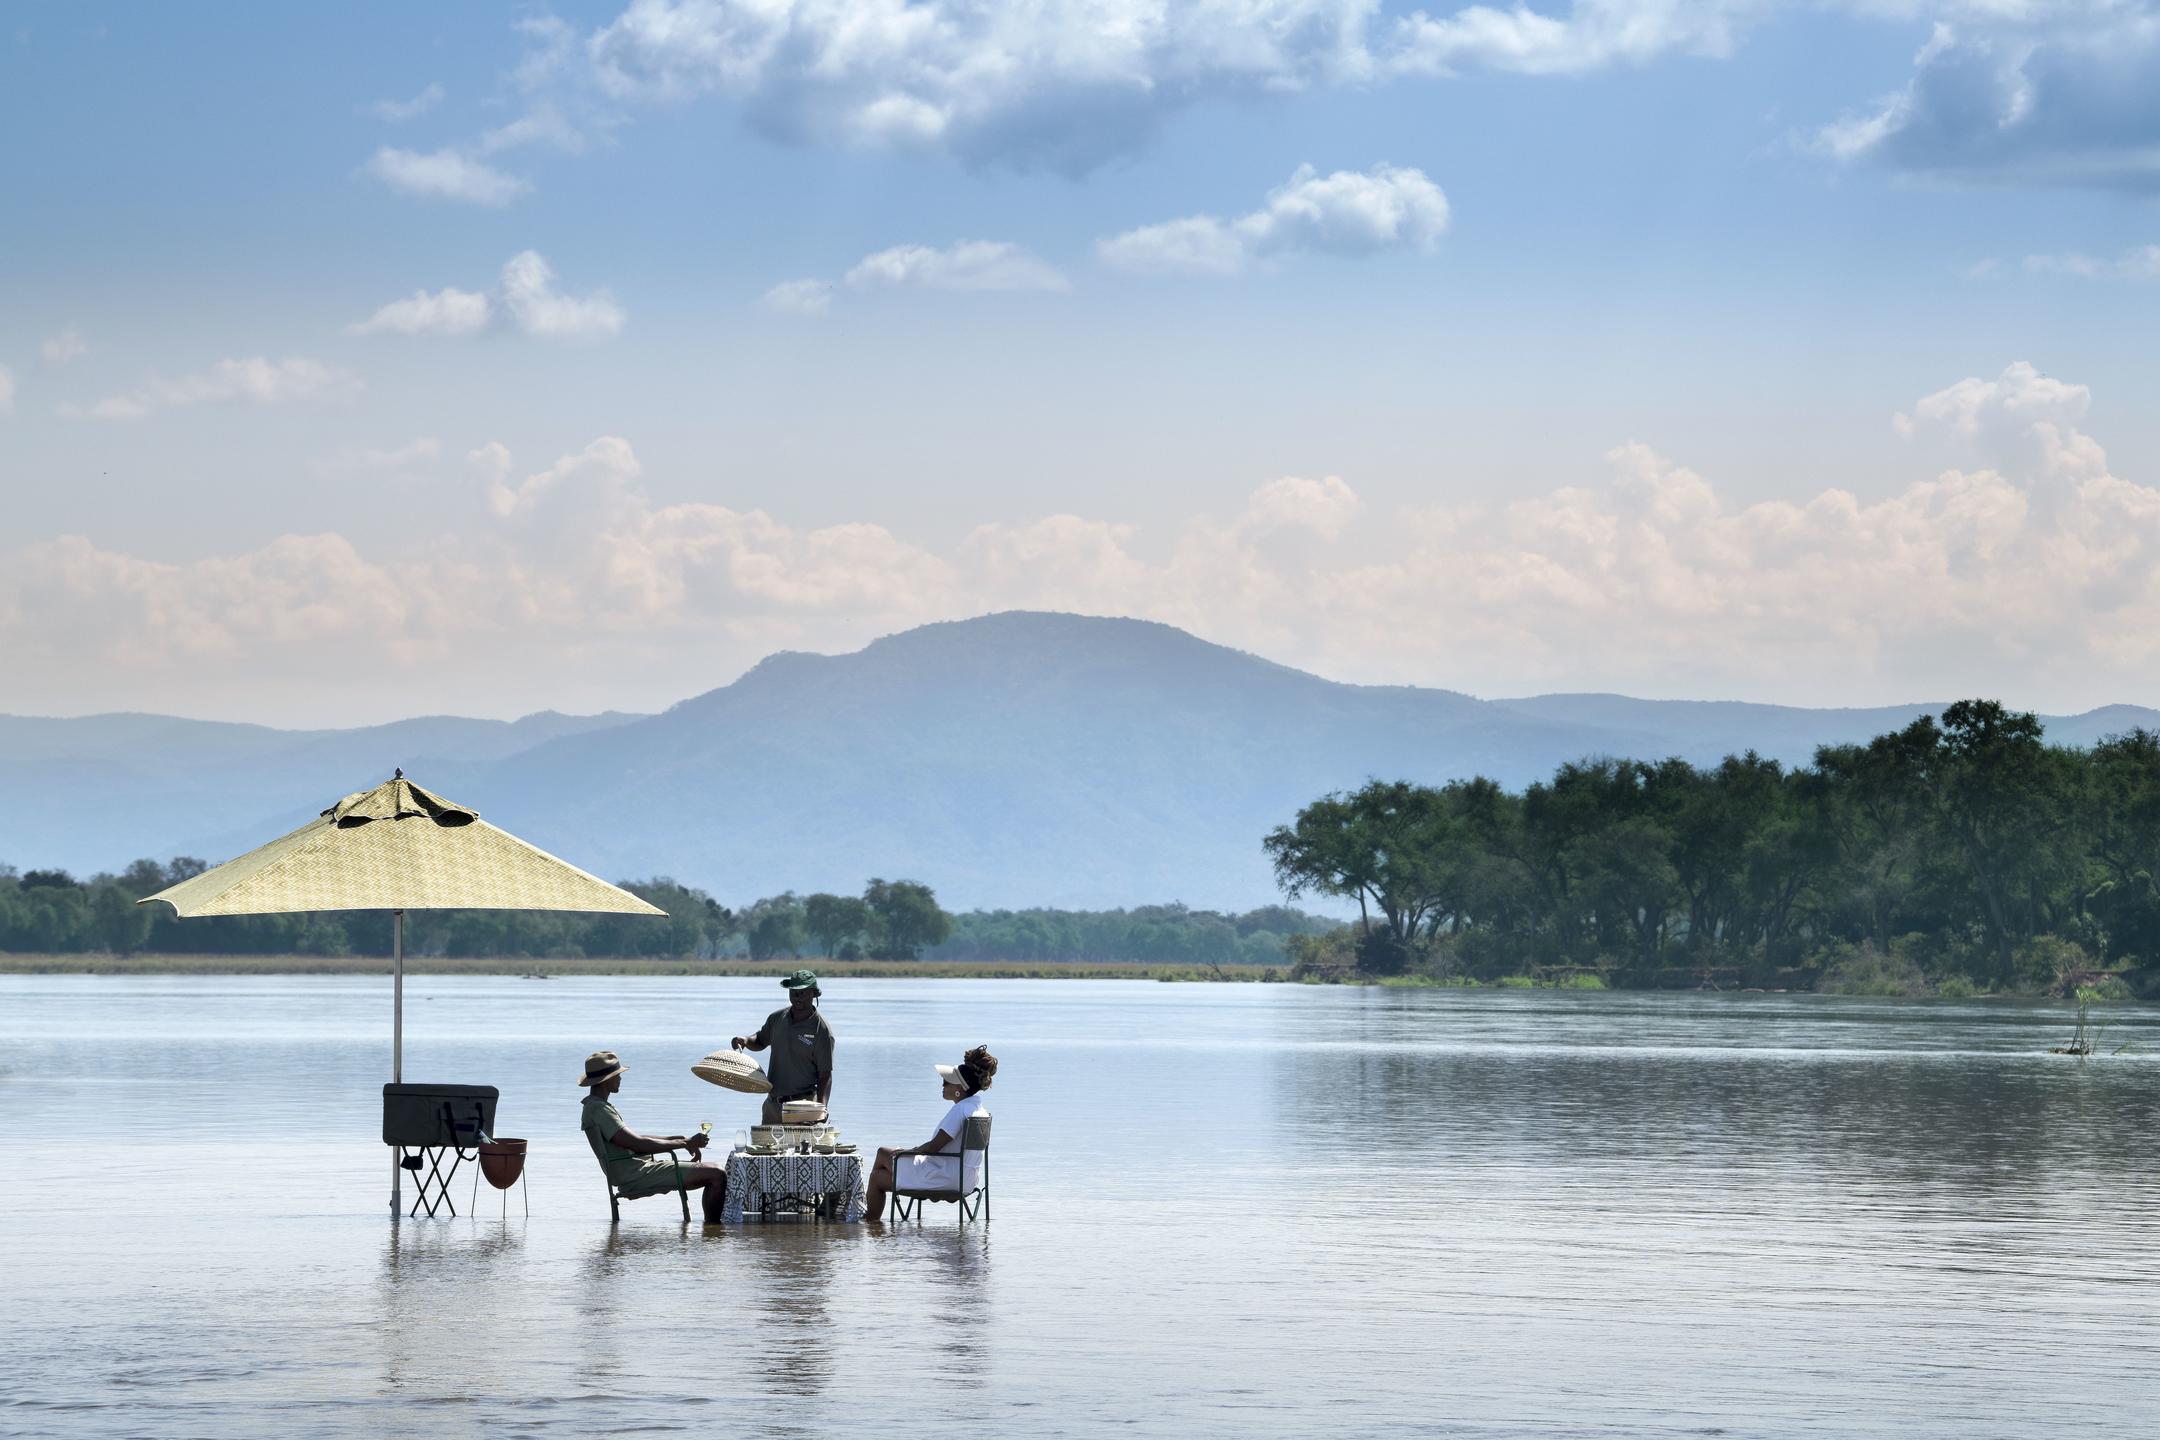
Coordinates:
[801,1054]
[602,1120]
[632,1175]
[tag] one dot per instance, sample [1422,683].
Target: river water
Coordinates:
[1245,1209]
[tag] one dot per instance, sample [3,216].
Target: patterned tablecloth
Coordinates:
[754,1179]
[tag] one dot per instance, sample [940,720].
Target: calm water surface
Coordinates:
[1234,1209]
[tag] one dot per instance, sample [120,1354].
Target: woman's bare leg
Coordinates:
[879,1185]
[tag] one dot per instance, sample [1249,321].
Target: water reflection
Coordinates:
[1222,1209]
[786,1304]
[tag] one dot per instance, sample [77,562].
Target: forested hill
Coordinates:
[1010,760]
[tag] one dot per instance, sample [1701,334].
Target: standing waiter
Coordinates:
[802,1046]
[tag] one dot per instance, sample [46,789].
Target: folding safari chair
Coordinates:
[972,1200]
[616,1197]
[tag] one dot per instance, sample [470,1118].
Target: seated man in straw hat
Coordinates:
[630,1159]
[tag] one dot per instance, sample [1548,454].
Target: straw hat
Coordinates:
[732,1071]
[601,1065]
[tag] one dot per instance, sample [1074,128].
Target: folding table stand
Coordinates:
[430,1120]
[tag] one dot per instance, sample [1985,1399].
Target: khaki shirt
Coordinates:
[801,1054]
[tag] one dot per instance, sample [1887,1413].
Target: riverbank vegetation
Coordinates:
[152,963]
[1956,856]
[50,914]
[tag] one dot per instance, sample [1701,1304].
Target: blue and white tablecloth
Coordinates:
[752,1180]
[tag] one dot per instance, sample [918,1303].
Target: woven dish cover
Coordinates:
[731,1071]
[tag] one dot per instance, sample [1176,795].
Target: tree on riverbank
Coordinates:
[1962,849]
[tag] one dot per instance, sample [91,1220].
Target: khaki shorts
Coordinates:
[655,1175]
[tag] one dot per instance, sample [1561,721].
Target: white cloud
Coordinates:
[800,297]
[413,455]
[2026,569]
[445,175]
[7,391]
[1348,213]
[2054,91]
[1058,86]
[979,265]
[398,111]
[1323,506]
[538,309]
[543,124]
[64,348]
[2141,262]
[525,298]
[2012,403]
[1592,35]
[2051,94]
[443,312]
[1200,245]
[255,381]
[969,265]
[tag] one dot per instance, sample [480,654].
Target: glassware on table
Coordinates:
[742,1139]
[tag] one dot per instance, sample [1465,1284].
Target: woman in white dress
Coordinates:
[935,1164]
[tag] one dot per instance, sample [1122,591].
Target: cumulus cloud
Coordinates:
[2024,567]
[398,111]
[255,381]
[525,299]
[1052,86]
[64,348]
[979,265]
[445,174]
[441,312]
[539,309]
[969,265]
[1349,213]
[2040,93]
[2039,89]
[800,297]
[1591,35]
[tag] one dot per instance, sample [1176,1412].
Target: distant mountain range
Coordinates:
[1015,759]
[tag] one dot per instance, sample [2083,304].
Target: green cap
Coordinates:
[801,980]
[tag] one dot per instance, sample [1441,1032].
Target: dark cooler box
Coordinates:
[430,1117]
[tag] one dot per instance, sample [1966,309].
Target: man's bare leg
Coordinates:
[713,1181]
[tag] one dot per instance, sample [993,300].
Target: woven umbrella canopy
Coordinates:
[397,848]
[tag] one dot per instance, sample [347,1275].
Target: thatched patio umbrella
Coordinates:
[397,848]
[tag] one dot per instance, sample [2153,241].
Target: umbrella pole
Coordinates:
[397,1035]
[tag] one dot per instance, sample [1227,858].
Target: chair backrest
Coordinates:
[974,1151]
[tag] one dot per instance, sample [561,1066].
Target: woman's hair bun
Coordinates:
[979,1065]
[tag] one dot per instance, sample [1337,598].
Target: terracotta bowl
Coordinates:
[502,1161]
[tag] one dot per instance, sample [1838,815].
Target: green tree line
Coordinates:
[1962,853]
[52,912]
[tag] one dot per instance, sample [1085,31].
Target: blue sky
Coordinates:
[1735,348]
